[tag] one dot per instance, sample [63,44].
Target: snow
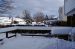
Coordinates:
[5,21]
[33,23]
[54,30]
[29,42]
[2,35]
[61,30]
[7,29]
[73,30]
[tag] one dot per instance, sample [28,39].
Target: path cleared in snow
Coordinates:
[29,42]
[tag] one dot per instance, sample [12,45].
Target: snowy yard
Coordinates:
[29,42]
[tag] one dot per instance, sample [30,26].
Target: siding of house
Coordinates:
[69,7]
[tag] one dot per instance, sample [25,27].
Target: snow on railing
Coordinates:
[61,30]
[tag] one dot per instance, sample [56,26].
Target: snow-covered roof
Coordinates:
[5,20]
[33,23]
[18,19]
[4,17]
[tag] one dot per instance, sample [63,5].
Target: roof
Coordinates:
[18,19]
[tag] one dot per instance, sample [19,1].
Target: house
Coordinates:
[69,10]
[5,21]
[19,20]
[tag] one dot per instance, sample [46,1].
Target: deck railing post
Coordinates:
[6,34]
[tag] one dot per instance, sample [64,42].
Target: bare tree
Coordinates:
[39,17]
[27,16]
[5,6]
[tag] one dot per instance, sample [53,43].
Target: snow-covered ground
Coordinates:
[2,35]
[29,42]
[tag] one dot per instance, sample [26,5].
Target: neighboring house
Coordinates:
[34,23]
[20,21]
[50,22]
[5,21]
[8,21]
[69,9]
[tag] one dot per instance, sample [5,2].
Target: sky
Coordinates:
[49,7]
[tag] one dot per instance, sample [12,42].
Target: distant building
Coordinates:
[49,19]
[11,20]
[20,21]
[69,9]
[62,16]
[60,13]
[5,20]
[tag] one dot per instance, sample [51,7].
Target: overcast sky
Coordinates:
[49,7]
